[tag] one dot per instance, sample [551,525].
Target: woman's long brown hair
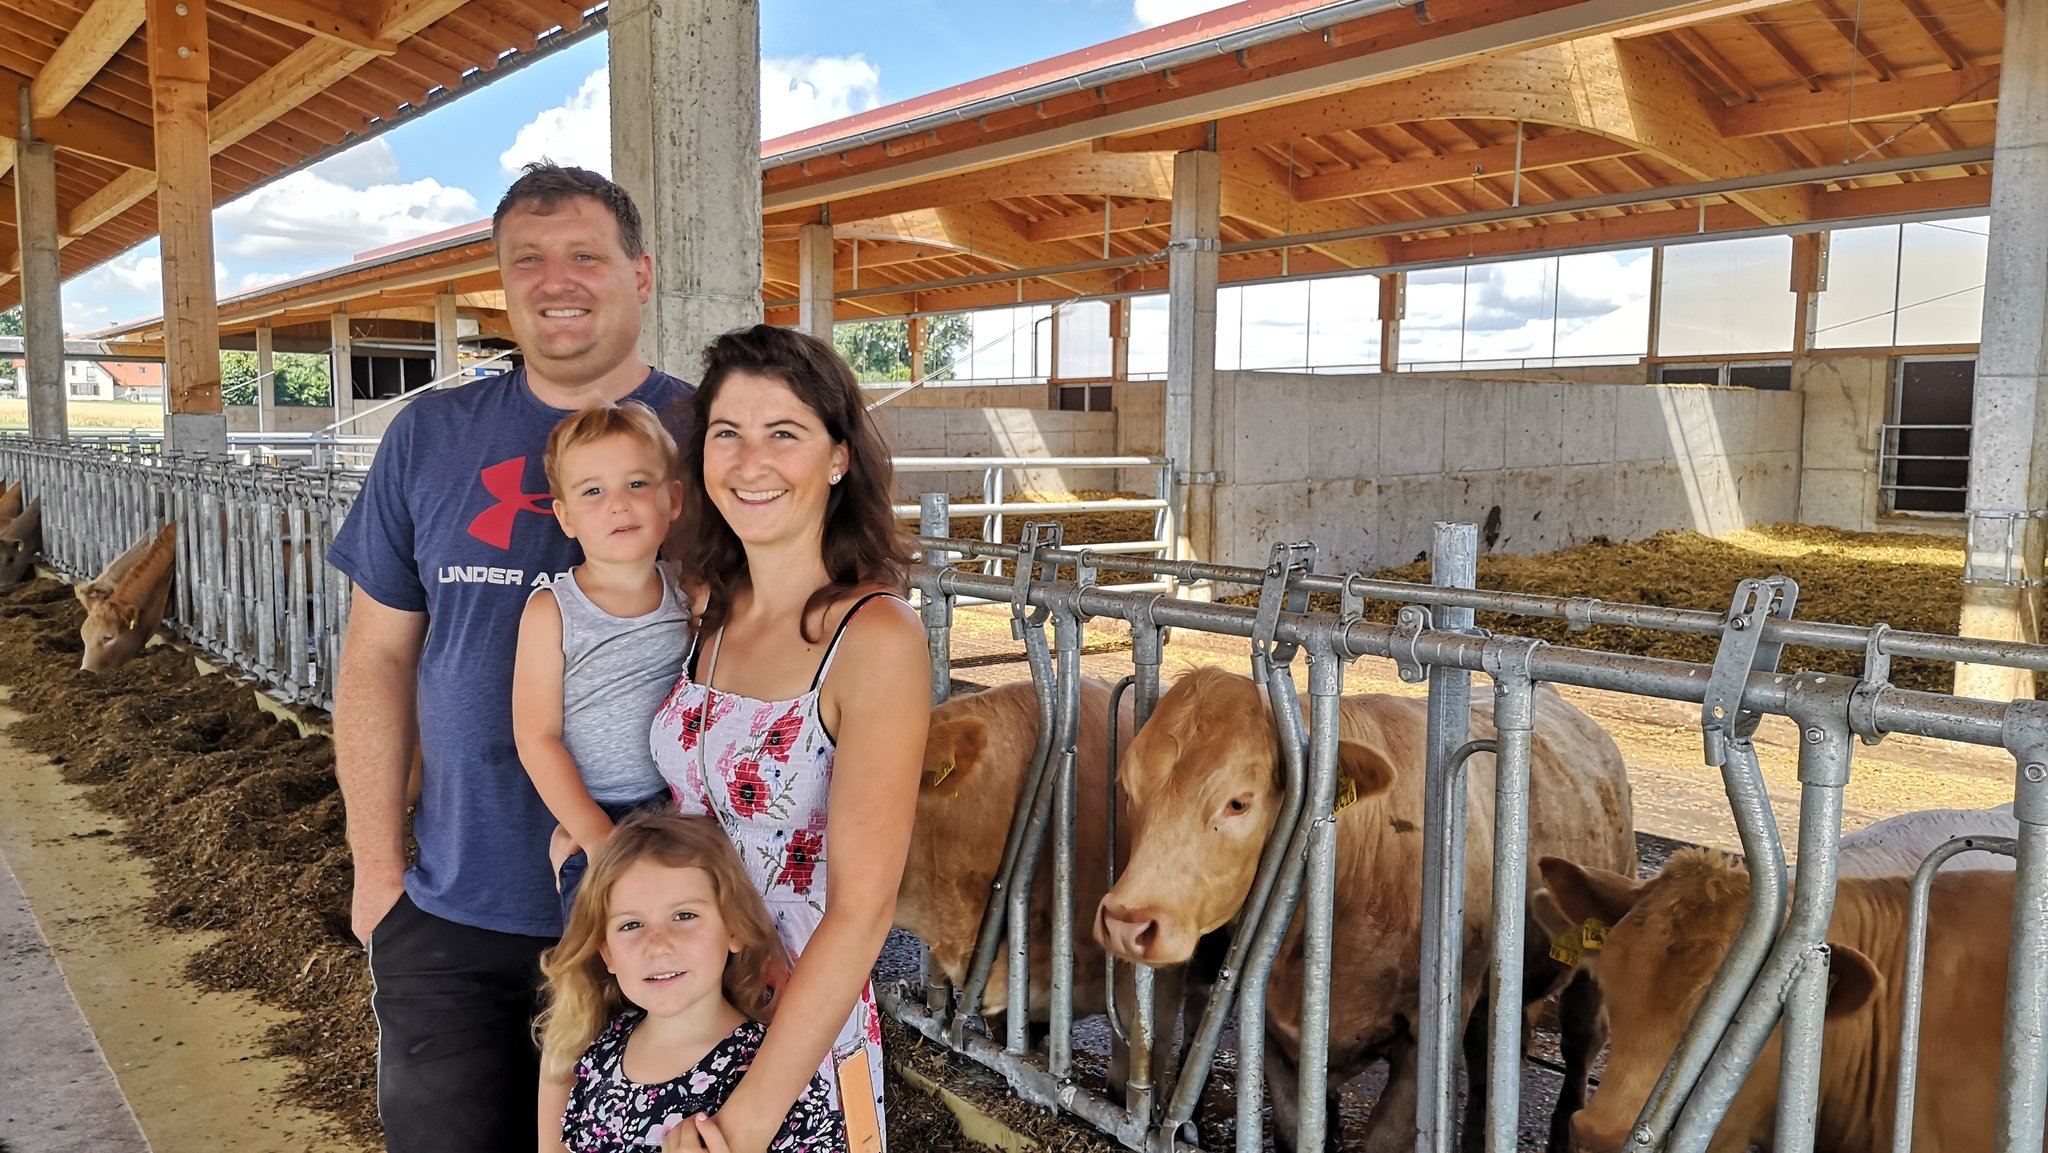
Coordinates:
[863,544]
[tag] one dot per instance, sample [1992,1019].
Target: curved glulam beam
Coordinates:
[1076,172]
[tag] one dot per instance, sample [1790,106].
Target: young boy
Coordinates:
[601,648]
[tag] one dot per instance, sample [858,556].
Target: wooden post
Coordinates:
[1393,306]
[1809,280]
[341,392]
[916,328]
[178,62]
[1652,346]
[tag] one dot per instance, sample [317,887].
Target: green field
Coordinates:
[98,414]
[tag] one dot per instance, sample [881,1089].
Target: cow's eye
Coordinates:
[1238,805]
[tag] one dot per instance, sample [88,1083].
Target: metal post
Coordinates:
[1514,721]
[937,611]
[1454,562]
[1067,626]
[1326,687]
[1806,1006]
[1820,704]
[2023,1080]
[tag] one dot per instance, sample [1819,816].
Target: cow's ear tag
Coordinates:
[1593,934]
[134,621]
[941,771]
[1347,795]
[1565,948]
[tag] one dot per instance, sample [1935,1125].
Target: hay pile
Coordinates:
[1910,581]
[1079,529]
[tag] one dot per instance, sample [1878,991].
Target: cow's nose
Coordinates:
[1128,933]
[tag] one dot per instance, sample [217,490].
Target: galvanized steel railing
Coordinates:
[1775,968]
[252,584]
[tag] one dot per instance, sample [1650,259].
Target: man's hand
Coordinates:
[373,900]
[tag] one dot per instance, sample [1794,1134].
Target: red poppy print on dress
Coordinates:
[696,718]
[779,739]
[800,856]
[744,785]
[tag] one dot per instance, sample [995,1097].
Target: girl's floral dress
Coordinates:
[610,1114]
[764,770]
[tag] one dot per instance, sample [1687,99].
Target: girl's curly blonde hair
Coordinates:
[581,993]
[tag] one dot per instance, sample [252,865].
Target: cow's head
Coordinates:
[125,604]
[10,504]
[1203,781]
[1665,939]
[20,542]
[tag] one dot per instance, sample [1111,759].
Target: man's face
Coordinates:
[572,294]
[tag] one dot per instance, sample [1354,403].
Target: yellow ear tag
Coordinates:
[1593,934]
[1565,948]
[133,621]
[1347,795]
[941,771]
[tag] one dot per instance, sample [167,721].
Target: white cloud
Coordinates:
[309,218]
[80,316]
[797,92]
[136,272]
[369,163]
[578,132]
[249,281]
[1153,13]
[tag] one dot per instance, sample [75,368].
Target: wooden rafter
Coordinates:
[1252,193]
[1860,47]
[1539,153]
[1936,34]
[1909,96]
[1719,70]
[349,29]
[1783,52]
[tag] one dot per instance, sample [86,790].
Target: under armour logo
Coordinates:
[493,526]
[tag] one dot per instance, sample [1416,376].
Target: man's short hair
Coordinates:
[587,425]
[545,184]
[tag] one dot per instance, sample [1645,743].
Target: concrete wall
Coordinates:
[997,432]
[1848,398]
[1362,465]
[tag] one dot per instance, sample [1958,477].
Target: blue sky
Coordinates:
[822,59]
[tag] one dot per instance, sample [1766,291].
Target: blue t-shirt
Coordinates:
[455,521]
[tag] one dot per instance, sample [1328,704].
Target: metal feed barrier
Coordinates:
[1776,967]
[252,586]
[251,589]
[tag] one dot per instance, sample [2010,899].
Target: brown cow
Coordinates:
[125,604]
[20,543]
[1203,783]
[10,504]
[1669,934]
[976,759]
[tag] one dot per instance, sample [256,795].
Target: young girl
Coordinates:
[799,721]
[651,994]
[599,648]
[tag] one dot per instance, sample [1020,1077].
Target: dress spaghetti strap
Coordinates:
[832,650]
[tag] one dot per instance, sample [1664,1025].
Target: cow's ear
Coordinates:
[953,746]
[1367,772]
[1549,919]
[1853,981]
[1582,894]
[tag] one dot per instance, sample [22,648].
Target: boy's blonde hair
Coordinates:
[588,425]
[582,995]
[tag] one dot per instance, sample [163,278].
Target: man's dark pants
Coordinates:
[457,1068]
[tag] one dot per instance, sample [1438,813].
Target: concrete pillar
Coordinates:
[178,61]
[1191,349]
[1120,339]
[447,351]
[42,304]
[814,280]
[686,143]
[2009,413]
[266,381]
[342,392]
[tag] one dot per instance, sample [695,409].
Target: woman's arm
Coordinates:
[881,715]
[554,1101]
[537,724]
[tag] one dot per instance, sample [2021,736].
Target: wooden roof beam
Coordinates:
[1801,71]
[324,21]
[1936,34]
[1088,225]
[1075,172]
[1851,32]
[1499,159]
[81,127]
[99,34]
[1909,96]
[1697,47]
[1253,192]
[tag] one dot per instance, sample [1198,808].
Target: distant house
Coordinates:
[135,379]
[87,380]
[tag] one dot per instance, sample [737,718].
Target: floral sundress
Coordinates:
[609,1113]
[764,770]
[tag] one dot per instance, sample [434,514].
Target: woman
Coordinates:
[799,720]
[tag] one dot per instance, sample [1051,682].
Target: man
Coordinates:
[452,531]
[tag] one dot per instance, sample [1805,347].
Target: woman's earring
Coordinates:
[835,478]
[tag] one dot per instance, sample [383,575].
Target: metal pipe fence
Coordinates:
[1776,967]
[251,586]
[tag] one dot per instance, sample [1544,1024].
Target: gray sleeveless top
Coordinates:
[616,671]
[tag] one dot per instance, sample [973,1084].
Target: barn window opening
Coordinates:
[1924,455]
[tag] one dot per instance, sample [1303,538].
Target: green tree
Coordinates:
[879,350]
[302,378]
[10,322]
